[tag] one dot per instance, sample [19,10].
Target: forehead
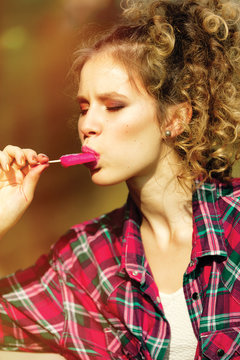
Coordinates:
[104,73]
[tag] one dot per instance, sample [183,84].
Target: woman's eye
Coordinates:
[83,112]
[115,108]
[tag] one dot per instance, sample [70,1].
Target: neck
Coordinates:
[165,204]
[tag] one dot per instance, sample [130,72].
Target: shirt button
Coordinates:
[135,273]
[195,296]
[191,263]
[158,299]
[220,352]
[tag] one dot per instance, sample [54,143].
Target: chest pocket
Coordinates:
[222,344]
[123,346]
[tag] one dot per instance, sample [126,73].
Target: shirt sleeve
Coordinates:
[31,309]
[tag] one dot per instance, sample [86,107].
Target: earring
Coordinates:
[168,133]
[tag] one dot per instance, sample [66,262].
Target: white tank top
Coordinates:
[183,342]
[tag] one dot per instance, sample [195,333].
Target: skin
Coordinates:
[119,121]
[18,179]
[132,148]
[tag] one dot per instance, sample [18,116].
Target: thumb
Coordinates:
[31,180]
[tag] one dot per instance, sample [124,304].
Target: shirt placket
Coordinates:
[193,295]
[149,289]
[155,344]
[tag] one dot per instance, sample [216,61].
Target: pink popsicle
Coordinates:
[75,159]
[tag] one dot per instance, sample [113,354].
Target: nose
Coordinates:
[89,125]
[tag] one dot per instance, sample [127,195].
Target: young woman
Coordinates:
[159,278]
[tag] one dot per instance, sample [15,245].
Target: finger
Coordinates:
[15,153]
[4,161]
[42,158]
[21,156]
[30,156]
[33,160]
[32,178]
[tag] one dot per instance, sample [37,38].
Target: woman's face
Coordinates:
[118,121]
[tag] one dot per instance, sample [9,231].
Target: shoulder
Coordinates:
[110,222]
[93,239]
[215,190]
[218,201]
[90,253]
[225,197]
[229,206]
[231,189]
[228,197]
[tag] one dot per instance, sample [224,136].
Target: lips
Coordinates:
[86,149]
[91,165]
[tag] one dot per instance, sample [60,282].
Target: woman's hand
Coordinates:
[20,170]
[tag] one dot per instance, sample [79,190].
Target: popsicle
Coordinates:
[75,159]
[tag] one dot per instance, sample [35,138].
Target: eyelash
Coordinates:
[115,108]
[109,108]
[83,112]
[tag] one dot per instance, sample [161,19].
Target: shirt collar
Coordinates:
[208,231]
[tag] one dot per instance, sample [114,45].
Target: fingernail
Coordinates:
[21,161]
[6,166]
[42,155]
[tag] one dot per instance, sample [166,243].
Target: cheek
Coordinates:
[140,135]
[126,130]
[80,133]
[144,131]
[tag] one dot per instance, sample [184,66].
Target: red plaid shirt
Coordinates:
[94,296]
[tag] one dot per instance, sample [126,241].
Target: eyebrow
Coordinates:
[103,96]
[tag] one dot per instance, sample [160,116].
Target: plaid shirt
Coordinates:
[94,296]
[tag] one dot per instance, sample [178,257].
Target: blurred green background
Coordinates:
[38,110]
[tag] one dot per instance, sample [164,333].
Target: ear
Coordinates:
[178,116]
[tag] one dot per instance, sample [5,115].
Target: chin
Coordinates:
[104,180]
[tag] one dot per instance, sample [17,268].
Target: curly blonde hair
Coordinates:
[186,51]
